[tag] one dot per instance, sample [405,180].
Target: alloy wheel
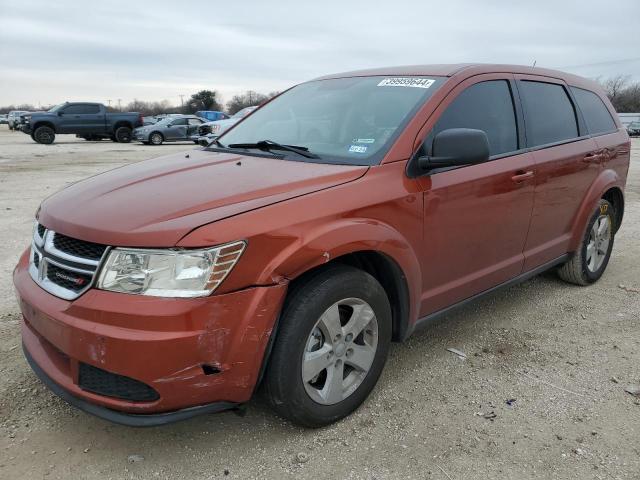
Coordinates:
[598,245]
[340,351]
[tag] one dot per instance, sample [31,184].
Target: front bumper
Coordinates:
[140,136]
[201,354]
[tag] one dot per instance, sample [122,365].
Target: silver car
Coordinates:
[177,128]
[13,119]
[211,130]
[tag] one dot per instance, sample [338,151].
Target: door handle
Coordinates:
[521,176]
[591,157]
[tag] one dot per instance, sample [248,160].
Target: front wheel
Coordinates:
[156,138]
[44,135]
[330,348]
[592,257]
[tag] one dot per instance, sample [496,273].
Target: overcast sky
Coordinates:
[57,50]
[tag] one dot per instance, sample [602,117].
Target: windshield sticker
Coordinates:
[357,149]
[364,140]
[407,82]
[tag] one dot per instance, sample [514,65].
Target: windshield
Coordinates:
[343,120]
[56,108]
[244,112]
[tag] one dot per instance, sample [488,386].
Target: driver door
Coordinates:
[476,217]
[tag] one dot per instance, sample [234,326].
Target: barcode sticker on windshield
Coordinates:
[407,82]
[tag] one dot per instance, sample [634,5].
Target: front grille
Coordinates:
[109,384]
[63,266]
[78,248]
[69,280]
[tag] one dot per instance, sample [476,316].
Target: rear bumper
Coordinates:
[192,352]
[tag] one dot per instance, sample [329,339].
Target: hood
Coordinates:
[156,202]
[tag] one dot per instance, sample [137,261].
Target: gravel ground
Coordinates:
[541,393]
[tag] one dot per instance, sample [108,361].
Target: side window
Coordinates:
[194,121]
[486,106]
[82,109]
[179,121]
[594,111]
[549,113]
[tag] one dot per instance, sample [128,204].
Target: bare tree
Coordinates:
[247,99]
[623,93]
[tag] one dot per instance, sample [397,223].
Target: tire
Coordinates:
[336,292]
[589,262]
[156,138]
[123,134]
[44,135]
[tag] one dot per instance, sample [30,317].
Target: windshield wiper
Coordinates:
[271,145]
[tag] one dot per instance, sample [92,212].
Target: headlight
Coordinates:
[169,273]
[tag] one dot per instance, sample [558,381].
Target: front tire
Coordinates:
[331,346]
[592,257]
[44,135]
[156,138]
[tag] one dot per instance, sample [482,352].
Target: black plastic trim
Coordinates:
[122,418]
[427,320]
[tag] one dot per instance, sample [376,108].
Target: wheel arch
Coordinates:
[122,123]
[615,196]
[370,245]
[44,123]
[607,185]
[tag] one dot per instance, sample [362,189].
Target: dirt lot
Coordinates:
[563,354]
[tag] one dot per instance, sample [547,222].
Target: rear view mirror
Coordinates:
[456,147]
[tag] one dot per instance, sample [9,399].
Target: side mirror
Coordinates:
[456,147]
[60,114]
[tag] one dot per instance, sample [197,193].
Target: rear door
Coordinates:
[81,118]
[567,162]
[476,217]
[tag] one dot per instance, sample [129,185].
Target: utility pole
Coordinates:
[109,102]
[181,100]
[119,105]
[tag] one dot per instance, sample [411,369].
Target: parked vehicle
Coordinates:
[177,128]
[634,129]
[86,120]
[13,118]
[344,214]
[211,115]
[3,119]
[212,130]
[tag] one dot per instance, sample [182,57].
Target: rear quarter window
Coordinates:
[594,111]
[549,113]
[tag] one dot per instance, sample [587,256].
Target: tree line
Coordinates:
[623,92]
[202,100]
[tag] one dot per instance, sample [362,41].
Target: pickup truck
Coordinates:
[86,120]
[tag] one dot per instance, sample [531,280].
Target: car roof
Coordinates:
[463,69]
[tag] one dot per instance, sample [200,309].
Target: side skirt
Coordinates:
[432,317]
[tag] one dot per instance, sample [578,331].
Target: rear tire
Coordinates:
[123,134]
[44,135]
[343,313]
[592,257]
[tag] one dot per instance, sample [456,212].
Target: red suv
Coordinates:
[337,218]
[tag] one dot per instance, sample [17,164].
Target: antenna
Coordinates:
[534,63]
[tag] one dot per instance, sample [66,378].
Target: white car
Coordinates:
[211,130]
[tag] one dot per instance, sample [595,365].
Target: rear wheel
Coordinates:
[44,135]
[331,346]
[123,134]
[592,257]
